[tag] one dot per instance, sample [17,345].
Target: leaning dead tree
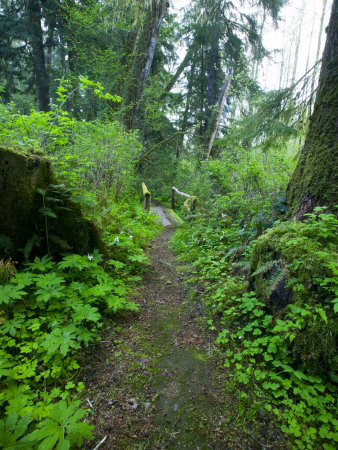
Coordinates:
[218,113]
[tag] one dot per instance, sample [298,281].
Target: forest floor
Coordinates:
[158,382]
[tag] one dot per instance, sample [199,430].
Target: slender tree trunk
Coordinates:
[281,76]
[187,103]
[258,60]
[142,59]
[310,44]
[319,43]
[299,34]
[215,123]
[39,63]
[202,127]
[314,180]
[178,73]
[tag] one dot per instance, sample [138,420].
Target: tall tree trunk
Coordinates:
[258,60]
[202,127]
[213,68]
[314,180]
[178,73]
[310,44]
[281,76]
[142,59]
[187,104]
[319,43]
[39,63]
[213,72]
[299,34]
[218,114]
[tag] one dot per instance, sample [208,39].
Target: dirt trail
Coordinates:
[156,384]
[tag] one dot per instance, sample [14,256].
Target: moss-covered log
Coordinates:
[314,181]
[32,208]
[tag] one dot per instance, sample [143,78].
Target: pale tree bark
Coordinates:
[220,107]
[298,39]
[319,43]
[310,44]
[281,76]
[178,73]
[187,105]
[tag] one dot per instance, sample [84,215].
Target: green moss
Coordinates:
[314,179]
[302,252]
[22,174]
[304,256]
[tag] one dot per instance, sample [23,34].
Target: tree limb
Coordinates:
[164,141]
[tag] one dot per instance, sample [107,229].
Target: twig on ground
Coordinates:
[97,409]
[100,443]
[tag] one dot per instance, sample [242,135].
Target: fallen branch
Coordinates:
[164,141]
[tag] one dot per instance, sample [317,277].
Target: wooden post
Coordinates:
[189,204]
[173,198]
[193,203]
[146,196]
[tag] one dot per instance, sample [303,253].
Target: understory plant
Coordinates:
[283,358]
[50,311]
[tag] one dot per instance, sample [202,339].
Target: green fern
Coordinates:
[277,278]
[266,267]
[236,250]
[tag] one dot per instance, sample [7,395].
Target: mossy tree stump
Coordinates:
[24,177]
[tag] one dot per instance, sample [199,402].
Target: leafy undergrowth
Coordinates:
[50,310]
[283,360]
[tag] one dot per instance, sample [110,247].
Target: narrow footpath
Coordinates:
[157,384]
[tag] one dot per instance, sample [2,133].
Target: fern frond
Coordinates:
[278,277]
[266,267]
[235,250]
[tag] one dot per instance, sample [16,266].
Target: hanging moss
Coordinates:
[24,175]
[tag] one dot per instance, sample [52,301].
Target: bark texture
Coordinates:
[142,60]
[314,181]
[39,62]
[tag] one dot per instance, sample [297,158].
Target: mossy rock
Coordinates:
[24,175]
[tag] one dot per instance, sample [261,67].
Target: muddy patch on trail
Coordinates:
[157,383]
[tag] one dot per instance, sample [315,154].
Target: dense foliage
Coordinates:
[283,358]
[53,309]
[100,89]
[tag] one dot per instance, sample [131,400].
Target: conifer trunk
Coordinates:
[39,63]
[142,59]
[314,181]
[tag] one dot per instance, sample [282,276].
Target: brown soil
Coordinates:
[159,383]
